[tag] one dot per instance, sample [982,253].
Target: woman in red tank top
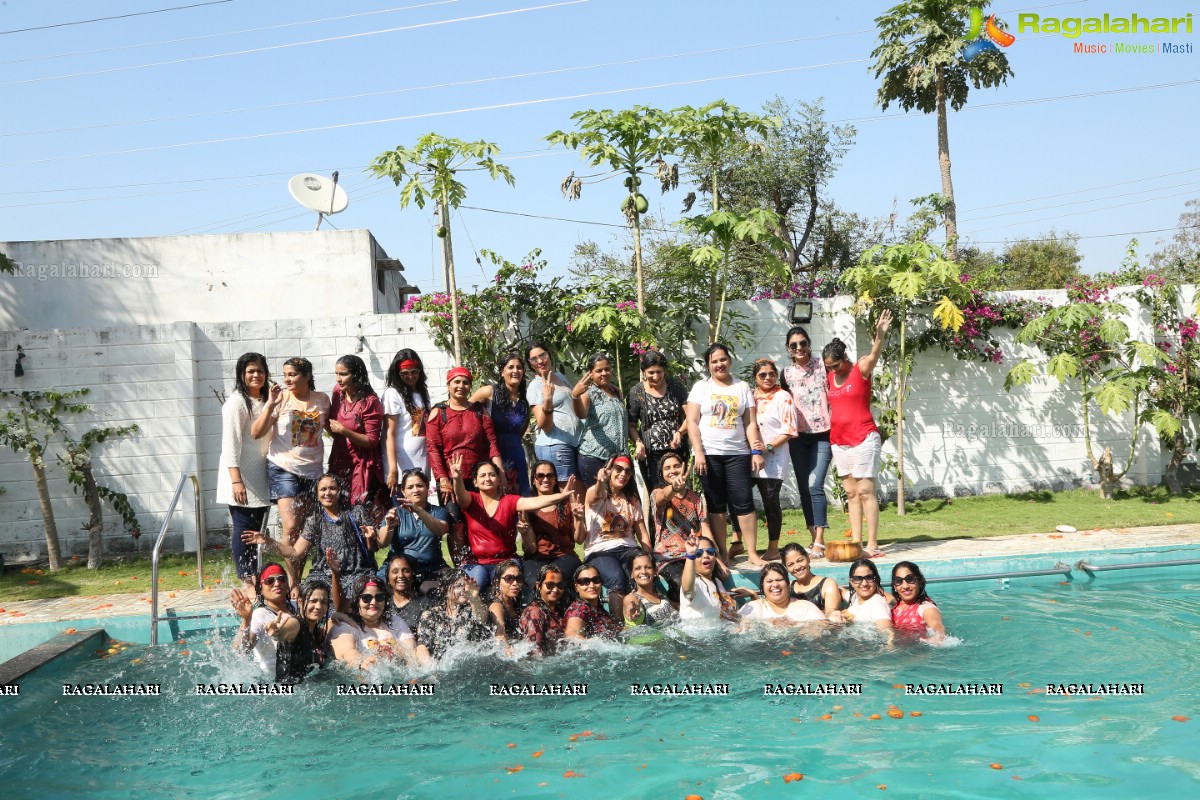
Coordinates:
[853,437]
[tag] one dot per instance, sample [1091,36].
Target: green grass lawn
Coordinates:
[926,520]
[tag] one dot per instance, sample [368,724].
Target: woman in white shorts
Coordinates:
[853,436]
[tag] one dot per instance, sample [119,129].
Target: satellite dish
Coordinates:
[319,194]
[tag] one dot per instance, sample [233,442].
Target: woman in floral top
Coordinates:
[680,517]
[543,623]
[585,618]
[805,379]
[777,424]
[657,424]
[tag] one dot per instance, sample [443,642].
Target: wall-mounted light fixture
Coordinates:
[800,311]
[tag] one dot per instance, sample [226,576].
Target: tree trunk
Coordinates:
[95,525]
[712,307]
[901,377]
[944,163]
[637,250]
[43,493]
[809,224]
[452,284]
[1178,453]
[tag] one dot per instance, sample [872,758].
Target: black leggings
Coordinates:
[768,490]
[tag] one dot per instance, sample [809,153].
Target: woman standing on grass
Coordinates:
[460,429]
[804,378]
[723,428]
[777,423]
[506,405]
[853,436]
[657,424]
[406,407]
[294,416]
[355,422]
[242,474]
[605,429]
[549,396]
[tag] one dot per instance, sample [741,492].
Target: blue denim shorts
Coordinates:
[286,484]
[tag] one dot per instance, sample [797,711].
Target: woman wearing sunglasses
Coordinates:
[505,607]
[701,595]
[822,592]
[548,534]
[777,424]
[804,378]
[543,622]
[613,528]
[867,602]
[271,605]
[417,534]
[586,618]
[775,605]
[460,617]
[914,612]
[373,633]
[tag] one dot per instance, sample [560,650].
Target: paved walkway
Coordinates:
[192,600]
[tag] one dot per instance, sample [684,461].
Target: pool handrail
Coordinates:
[1058,569]
[157,552]
[1084,566]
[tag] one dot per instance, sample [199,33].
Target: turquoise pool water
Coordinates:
[1127,628]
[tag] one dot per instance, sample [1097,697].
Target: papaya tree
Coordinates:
[429,172]
[911,279]
[31,428]
[1090,350]
[707,138]
[919,59]
[630,143]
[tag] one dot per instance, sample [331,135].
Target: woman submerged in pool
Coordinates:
[646,605]
[822,592]
[373,633]
[302,647]
[914,612]
[776,606]
[701,595]
[460,617]
[867,602]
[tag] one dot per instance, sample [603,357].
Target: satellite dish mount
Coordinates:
[320,194]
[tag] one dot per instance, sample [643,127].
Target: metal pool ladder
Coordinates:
[154,617]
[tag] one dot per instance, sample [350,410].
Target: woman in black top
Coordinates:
[822,592]
[308,647]
[657,424]
[505,608]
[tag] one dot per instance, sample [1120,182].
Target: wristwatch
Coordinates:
[770,447]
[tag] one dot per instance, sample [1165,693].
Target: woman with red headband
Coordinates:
[264,618]
[614,530]
[374,632]
[460,428]
[406,407]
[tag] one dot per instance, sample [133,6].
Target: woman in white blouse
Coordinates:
[242,471]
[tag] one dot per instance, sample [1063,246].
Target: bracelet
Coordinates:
[238,483]
[756,452]
[691,557]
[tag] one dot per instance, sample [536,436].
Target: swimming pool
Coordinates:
[1129,628]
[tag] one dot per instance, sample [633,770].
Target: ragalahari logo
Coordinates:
[984,37]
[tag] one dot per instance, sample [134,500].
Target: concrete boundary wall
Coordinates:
[964,435]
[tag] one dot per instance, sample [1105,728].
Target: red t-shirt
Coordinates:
[492,539]
[850,409]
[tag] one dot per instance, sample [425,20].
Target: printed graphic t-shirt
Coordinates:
[722,412]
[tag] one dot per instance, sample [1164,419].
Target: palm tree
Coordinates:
[919,57]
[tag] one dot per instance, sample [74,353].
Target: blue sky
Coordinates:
[216,140]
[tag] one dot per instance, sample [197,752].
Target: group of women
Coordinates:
[580,490]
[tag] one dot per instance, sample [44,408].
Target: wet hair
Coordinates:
[360,587]
[304,367]
[778,569]
[836,349]
[258,578]
[239,376]
[387,570]
[500,397]
[712,348]
[865,562]
[414,472]
[359,378]
[641,553]
[716,566]
[915,570]
[343,497]
[581,569]
[308,587]
[567,593]
[449,578]
[541,462]
[791,547]
[407,393]
[507,564]
[653,358]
